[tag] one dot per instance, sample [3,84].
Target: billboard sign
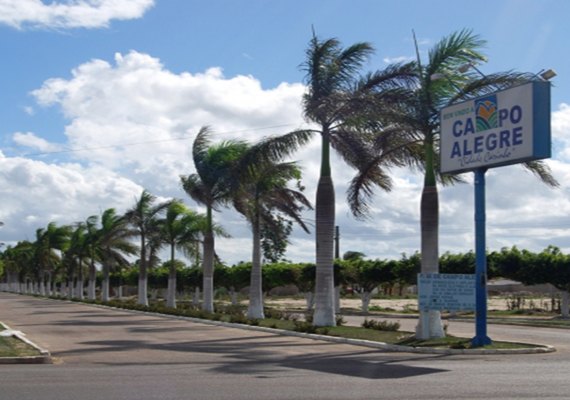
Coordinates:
[506,127]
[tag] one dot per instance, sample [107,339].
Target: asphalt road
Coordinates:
[107,354]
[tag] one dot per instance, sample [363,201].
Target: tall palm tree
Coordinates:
[113,245]
[75,256]
[210,186]
[180,228]
[338,100]
[92,238]
[49,244]
[442,81]
[261,191]
[143,216]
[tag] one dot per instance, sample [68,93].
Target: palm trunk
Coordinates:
[171,295]
[365,298]
[105,284]
[79,286]
[92,280]
[337,299]
[48,285]
[208,272]
[325,224]
[196,296]
[325,230]
[564,304]
[143,275]
[70,280]
[430,324]
[42,288]
[255,308]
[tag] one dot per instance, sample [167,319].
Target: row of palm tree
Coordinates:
[374,120]
[254,179]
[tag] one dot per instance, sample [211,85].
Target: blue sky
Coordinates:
[87,74]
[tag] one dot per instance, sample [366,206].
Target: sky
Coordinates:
[100,99]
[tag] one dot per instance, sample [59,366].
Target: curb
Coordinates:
[541,349]
[43,358]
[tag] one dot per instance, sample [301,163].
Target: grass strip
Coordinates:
[14,347]
[401,338]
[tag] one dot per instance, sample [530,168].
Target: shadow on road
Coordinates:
[253,356]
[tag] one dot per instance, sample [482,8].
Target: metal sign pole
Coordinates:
[481,338]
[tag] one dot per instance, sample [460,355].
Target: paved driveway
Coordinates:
[106,354]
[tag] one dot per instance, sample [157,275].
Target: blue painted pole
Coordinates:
[481,338]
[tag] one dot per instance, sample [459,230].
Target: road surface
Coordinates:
[108,354]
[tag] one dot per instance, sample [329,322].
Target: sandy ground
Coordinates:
[494,303]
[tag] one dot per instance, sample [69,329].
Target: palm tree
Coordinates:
[77,252]
[339,101]
[49,244]
[18,262]
[261,191]
[143,216]
[210,186]
[91,238]
[443,81]
[180,228]
[113,245]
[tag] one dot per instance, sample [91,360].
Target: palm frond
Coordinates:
[542,171]
[453,51]
[200,148]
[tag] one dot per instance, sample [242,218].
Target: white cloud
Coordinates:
[151,115]
[34,193]
[29,139]
[69,14]
[561,131]
[399,59]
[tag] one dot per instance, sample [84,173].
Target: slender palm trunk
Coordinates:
[208,271]
[48,284]
[255,309]
[105,284]
[430,324]
[196,296]
[325,226]
[42,288]
[564,305]
[91,292]
[337,299]
[79,286]
[143,275]
[171,295]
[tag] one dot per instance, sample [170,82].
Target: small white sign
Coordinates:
[451,292]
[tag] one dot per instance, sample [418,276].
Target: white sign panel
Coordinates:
[505,127]
[452,292]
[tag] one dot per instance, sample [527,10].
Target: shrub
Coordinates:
[381,325]
[274,314]
[306,327]
[238,319]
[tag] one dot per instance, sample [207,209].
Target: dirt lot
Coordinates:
[494,303]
